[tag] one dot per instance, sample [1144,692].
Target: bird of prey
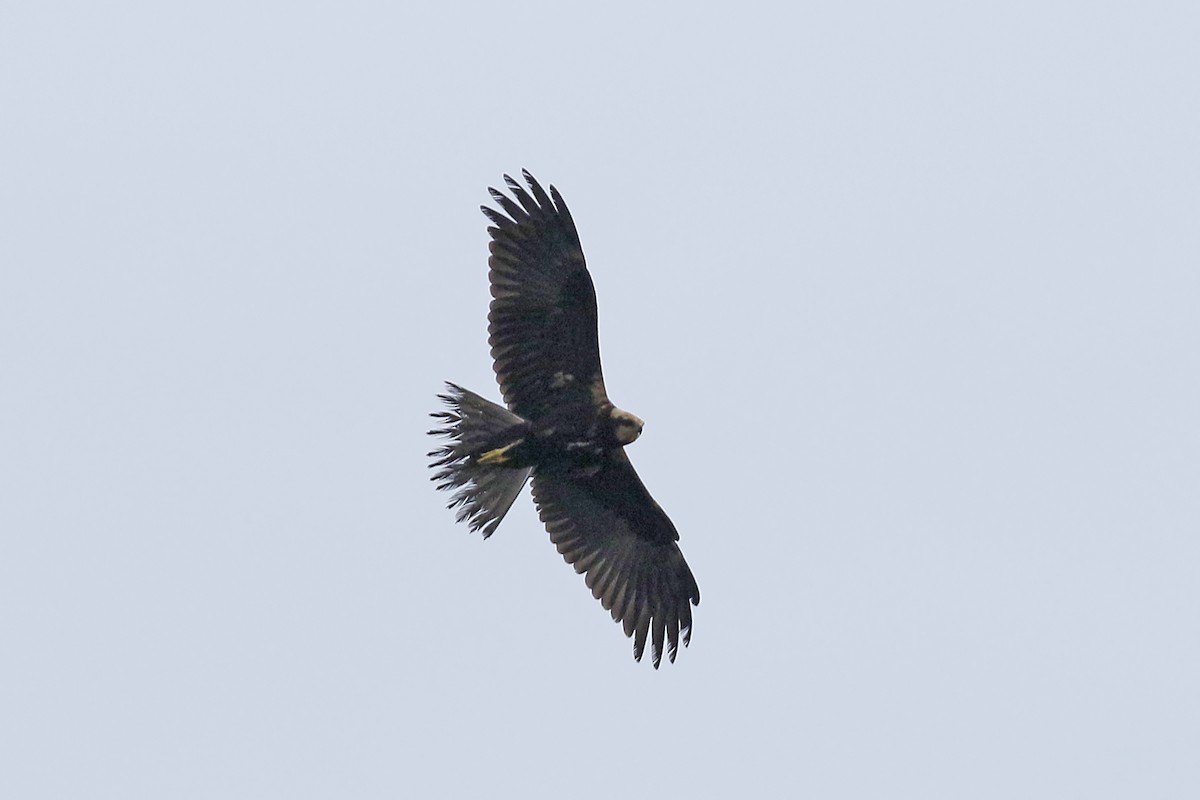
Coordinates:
[560,428]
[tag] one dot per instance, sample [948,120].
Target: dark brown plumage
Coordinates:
[561,428]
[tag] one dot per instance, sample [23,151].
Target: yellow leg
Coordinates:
[497,456]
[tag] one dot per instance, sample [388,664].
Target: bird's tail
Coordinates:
[483,491]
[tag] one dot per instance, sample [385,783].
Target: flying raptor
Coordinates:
[560,428]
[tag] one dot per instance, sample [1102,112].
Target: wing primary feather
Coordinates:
[629,618]
[643,627]
[525,200]
[659,630]
[517,213]
[617,607]
[504,224]
[538,192]
[563,211]
[672,634]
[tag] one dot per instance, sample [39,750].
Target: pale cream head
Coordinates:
[627,427]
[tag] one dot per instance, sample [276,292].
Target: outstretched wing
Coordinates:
[542,322]
[608,527]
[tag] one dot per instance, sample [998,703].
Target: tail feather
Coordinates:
[482,493]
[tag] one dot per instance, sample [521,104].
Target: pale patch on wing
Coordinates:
[588,445]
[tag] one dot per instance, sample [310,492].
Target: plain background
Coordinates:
[906,292]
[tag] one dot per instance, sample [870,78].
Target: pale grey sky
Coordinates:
[907,295]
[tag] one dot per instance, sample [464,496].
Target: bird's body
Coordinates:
[561,428]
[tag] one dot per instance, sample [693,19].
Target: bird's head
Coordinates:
[626,427]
